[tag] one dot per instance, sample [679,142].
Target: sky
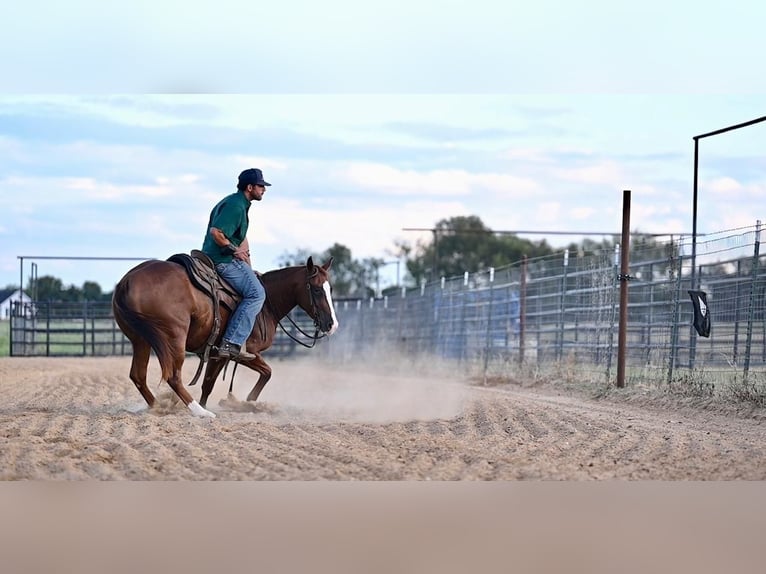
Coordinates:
[121,128]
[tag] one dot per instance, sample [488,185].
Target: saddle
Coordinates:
[201,271]
[202,274]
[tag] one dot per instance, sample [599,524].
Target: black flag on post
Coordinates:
[701,313]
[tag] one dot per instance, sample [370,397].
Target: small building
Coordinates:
[7,299]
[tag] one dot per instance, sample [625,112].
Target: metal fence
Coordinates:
[559,312]
[54,328]
[563,310]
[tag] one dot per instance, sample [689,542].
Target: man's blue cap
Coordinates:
[252,176]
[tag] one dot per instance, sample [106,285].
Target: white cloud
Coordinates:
[442,182]
[581,212]
[604,172]
[724,185]
[368,232]
[262,163]
[543,155]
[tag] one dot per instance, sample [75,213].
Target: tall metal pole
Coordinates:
[622,337]
[694,206]
[21,281]
[694,214]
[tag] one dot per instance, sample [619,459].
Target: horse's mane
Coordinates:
[278,300]
[277,273]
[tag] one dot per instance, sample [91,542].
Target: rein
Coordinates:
[314,338]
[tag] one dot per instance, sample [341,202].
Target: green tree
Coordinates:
[462,244]
[349,276]
[297,257]
[91,291]
[650,258]
[47,288]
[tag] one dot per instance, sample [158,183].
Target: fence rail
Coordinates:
[54,328]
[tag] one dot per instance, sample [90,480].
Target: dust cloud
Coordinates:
[311,390]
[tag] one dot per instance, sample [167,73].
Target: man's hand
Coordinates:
[242,254]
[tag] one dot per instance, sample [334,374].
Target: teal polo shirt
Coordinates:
[230,216]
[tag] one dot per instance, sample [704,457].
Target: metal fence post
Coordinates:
[47,329]
[751,305]
[676,310]
[463,331]
[522,307]
[738,296]
[650,318]
[612,291]
[84,328]
[562,307]
[489,321]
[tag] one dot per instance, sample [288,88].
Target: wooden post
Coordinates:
[622,337]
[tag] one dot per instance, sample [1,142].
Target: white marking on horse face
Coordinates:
[328,296]
[199,411]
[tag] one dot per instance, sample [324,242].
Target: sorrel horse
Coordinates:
[158,308]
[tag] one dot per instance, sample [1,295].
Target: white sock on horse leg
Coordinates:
[199,411]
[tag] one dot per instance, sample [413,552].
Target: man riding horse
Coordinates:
[226,244]
[162,306]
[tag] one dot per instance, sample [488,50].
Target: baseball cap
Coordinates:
[252,176]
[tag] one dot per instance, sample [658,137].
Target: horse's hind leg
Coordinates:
[259,365]
[138,368]
[174,380]
[212,371]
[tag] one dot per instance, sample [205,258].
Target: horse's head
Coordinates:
[319,305]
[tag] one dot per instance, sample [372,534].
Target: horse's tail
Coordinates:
[136,324]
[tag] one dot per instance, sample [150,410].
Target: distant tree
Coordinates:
[297,257]
[463,244]
[72,294]
[350,278]
[591,247]
[91,291]
[650,258]
[47,288]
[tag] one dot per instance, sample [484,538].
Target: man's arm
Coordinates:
[242,252]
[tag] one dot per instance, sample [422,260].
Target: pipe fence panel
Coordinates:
[572,312]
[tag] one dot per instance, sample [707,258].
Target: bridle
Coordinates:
[314,315]
[314,338]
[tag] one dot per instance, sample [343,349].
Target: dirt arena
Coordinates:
[82,418]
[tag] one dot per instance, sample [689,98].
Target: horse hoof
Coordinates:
[200,411]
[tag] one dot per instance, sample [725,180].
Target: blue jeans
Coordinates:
[243,279]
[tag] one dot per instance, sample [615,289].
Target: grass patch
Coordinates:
[5,338]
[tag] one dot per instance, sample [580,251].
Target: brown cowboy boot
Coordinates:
[234,352]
